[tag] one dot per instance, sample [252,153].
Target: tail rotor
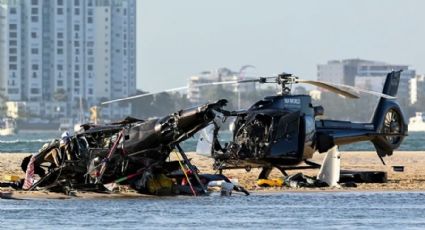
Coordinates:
[393,127]
[389,122]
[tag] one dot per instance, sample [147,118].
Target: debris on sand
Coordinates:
[132,153]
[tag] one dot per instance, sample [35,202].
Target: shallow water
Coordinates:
[32,142]
[359,210]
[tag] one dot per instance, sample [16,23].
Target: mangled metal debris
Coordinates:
[134,153]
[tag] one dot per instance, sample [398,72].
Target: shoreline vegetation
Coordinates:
[412,179]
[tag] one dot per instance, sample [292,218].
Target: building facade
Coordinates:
[59,54]
[375,73]
[367,75]
[195,94]
[417,90]
[340,71]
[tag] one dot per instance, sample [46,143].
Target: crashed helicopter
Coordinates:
[284,131]
[131,152]
[280,131]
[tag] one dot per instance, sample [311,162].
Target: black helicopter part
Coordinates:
[283,131]
[131,152]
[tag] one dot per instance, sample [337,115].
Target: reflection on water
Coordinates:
[288,210]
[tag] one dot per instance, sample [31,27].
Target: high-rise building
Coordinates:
[375,73]
[340,72]
[366,74]
[56,54]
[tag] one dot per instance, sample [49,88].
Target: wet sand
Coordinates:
[412,179]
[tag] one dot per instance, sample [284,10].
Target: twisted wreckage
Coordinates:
[131,152]
[281,131]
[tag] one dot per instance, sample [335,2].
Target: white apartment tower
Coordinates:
[11,51]
[54,52]
[194,92]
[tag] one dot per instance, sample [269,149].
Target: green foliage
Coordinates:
[3,110]
[215,93]
[60,95]
[166,103]
[158,105]
[336,107]
[2,98]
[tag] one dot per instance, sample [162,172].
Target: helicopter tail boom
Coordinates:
[386,130]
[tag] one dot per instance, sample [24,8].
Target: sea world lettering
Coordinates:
[294,101]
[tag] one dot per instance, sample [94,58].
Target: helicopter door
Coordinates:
[286,140]
[205,141]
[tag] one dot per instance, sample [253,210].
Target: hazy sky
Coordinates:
[177,39]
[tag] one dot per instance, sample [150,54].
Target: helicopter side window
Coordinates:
[261,104]
[318,110]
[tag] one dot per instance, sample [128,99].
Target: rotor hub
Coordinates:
[285,79]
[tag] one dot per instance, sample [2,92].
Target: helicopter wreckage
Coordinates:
[131,152]
[281,131]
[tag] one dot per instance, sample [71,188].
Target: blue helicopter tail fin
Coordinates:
[391,83]
[388,117]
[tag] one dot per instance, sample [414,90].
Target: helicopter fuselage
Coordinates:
[283,131]
[277,130]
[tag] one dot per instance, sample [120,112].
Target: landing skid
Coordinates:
[329,171]
[265,172]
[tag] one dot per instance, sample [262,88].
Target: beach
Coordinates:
[412,179]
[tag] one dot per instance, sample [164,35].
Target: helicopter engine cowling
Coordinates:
[252,138]
[171,129]
[276,129]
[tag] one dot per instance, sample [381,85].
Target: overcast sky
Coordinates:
[177,39]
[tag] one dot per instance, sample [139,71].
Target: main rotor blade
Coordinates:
[341,88]
[177,89]
[144,95]
[329,87]
[364,91]
[260,80]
